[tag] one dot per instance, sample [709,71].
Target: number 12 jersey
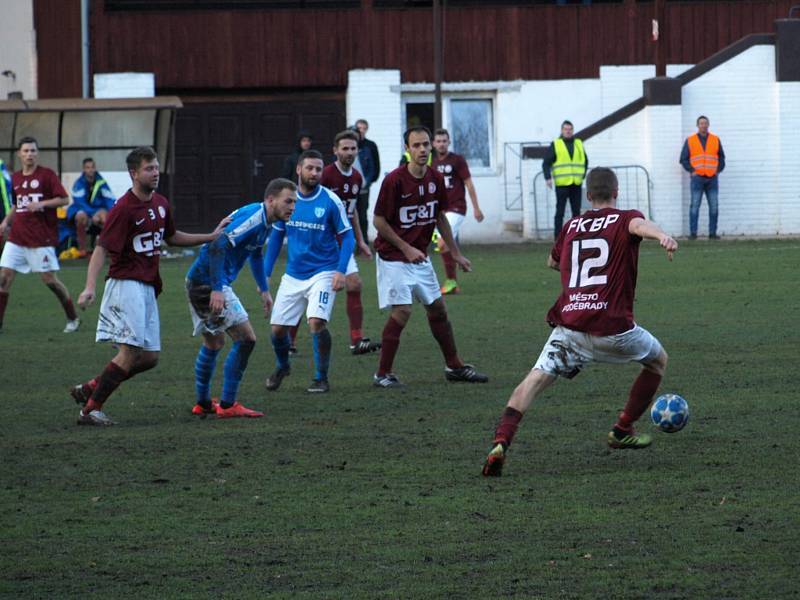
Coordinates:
[598,261]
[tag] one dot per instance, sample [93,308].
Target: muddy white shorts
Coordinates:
[567,351]
[129,315]
[26,260]
[402,282]
[203,320]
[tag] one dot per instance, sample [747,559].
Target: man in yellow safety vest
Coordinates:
[565,165]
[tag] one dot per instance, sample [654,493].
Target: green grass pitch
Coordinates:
[364,493]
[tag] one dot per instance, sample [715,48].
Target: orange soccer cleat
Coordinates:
[237,410]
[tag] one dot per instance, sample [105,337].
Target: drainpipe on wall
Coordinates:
[85,47]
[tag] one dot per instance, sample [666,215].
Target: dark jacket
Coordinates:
[687,164]
[547,163]
[289,170]
[370,161]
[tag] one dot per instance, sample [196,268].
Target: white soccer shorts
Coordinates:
[352,266]
[401,282]
[129,315]
[26,260]
[203,321]
[314,296]
[567,351]
[456,220]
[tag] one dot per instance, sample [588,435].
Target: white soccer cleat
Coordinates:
[72,326]
[96,418]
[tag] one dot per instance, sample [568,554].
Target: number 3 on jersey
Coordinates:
[580,270]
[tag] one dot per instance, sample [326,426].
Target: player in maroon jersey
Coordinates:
[410,205]
[342,179]
[135,228]
[457,180]
[597,255]
[34,230]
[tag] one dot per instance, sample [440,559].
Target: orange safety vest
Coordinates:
[704,162]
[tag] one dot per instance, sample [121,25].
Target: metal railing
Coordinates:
[512,173]
[635,188]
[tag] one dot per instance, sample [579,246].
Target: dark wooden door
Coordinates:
[227,152]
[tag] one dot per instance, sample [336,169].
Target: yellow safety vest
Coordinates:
[569,170]
[407,156]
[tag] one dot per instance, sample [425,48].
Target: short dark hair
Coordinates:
[276,186]
[601,183]
[347,134]
[568,123]
[88,159]
[308,154]
[702,117]
[27,140]
[138,155]
[441,131]
[364,121]
[416,129]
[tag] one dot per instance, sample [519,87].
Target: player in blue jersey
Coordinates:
[320,244]
[214,306]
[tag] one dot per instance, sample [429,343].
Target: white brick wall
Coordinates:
[756,118]
[18,53]
[370,97]
[742,100]
[788,196]
[622,84]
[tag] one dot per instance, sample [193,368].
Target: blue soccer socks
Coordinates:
[322,354]
[235,364]
[204,367]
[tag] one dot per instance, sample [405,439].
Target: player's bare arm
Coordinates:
[5,224]
[649,230]
[473,197]
[551,263]
[96,264]
[443,225]
[50,203]
[181,238]
[412,254]
[362,246]
[267,302]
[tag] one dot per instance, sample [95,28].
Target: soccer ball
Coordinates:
[670,413]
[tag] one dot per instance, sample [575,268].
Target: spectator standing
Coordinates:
[304,142]
[702,156]
[565,165]
[370,162]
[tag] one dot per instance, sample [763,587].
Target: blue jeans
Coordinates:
[699,185]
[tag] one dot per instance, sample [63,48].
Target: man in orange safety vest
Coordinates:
[702,156]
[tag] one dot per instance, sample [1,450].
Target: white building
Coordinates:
[752,102]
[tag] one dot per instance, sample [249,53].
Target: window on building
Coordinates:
[419,113]
[471,130]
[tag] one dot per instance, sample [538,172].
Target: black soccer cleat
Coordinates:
[364,346]
[319,386]
[387,381]
[466,373]
[274,381]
